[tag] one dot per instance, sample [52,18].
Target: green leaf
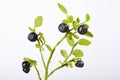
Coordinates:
[87,26]
[31,29]
[87,17]
[64,53]
[60,62]
[62,8]
[69,64]
[75,36]
[89,34]
[32,62]
[77,53]
[37,45]
[84,42]
[26,59]
[42,39]
[65,21]
[70,18]
[70,41]
[48,47]
[38,21]
[75,25]
[74,60]
[78,20]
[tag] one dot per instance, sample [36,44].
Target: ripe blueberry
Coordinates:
[26,70]
[32,36]
[63,27]
[82,29]
[25,64]
[79,64]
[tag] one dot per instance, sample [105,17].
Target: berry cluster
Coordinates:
[26,66]
[82,29]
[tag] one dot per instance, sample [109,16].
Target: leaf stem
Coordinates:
[51,54]
[37,72]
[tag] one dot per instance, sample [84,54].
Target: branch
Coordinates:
[51,54]
[59,67]
[70,52]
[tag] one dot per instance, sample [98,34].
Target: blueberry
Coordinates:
[26,70]
[32,36]
[82,29]
[25,64]
[79,64]
[63,27]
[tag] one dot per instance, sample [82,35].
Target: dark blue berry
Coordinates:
[32,36]
[63,27]
[26,70]
[25,64]
[82,29]
[79,64]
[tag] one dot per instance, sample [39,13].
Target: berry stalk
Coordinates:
[37,72]
[43,61]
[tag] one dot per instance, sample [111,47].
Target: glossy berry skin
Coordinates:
[25,64]
[26,70]
[63,27]
[79,64]
[32,36]
[82,29]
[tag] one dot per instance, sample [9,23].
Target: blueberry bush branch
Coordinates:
[61,66]
[50,57]
[71,28]
[64,62]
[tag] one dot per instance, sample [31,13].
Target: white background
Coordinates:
[101,57]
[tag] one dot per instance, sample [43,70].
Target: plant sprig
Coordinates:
[72,29]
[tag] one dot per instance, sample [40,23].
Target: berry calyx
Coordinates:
[25,64]
[63,27]
[26,70]
[32,36]
[82,29]
[79,64]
